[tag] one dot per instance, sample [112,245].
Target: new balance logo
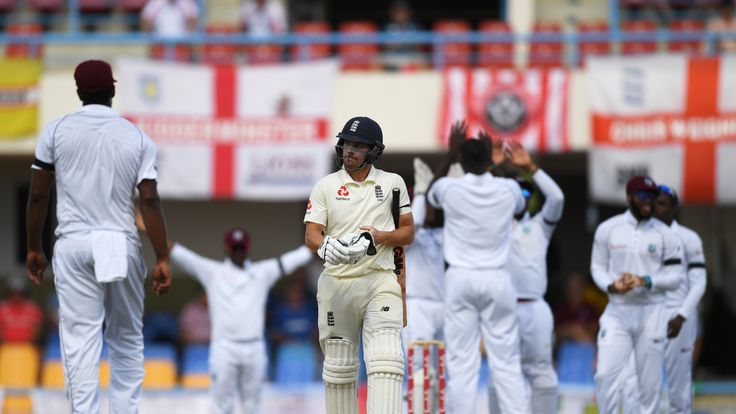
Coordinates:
[354,126]
[385,309]
[330,318]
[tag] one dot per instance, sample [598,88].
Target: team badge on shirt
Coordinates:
[652,249]
[379,193]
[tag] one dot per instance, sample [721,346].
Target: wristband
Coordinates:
[647,281]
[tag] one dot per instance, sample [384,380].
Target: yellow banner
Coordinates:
[19,97]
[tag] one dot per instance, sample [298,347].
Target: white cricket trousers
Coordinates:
[425,319]
[625,329]
[536,325]
[84,304]
[678,355]
[238,369]
[482,301]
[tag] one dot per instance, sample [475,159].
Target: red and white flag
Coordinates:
[228,132]
[672,117]
[529,107]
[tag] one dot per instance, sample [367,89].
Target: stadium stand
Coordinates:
[220,53]
[589,47]
[160,367]
[358,56]
[543,51]
[453,53]
[296,363]
[195,367]
[687,46]
[495,54]
[634,47]
[24,49]
[575,362]
[312,50]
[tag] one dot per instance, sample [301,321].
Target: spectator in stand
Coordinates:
[20,317]
[194,321]
[724,23]
[400,55]
[576,320]
[170,18]
[263,18]
[294,313]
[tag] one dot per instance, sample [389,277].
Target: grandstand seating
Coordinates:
[546,52]
[46,5]
[313,50]
[24,50]
[160,366]
[586,47]
[95,6]
[686,46]
[18,365]
[453,53]
[195,367]
[178,52]
[263,54]
[358,56]
[575,363]
[131,5]
[7,5]
[495,54]
[633,47]
[296,363]
[220,53]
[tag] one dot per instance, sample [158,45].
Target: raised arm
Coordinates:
[285,264]
[458,135]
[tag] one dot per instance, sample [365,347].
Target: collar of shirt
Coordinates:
[477,178]
[347,179]
[675,225]
[634,222]
[98,109]
[245,267]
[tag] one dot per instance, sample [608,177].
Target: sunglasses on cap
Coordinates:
[646,195]
[665,189]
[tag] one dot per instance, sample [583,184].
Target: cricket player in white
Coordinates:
[635,259]
[98,159]
[480,298]
[681,311]
[527,266]
[358,289]
[237,290]
[425,280]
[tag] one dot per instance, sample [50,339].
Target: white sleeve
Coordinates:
[669,276]
[519,200]
[600,257]
[147,169]
[696,275]
[404,200]
[554,199]
[192,263]
[419,209]
[287,263]
[436,193]
[45,149]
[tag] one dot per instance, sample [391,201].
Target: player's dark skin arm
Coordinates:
[36,210]
[458,135]
[313,236]
[402,236]
[152,215]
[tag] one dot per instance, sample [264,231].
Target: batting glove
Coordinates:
[359,245]
[422,176]
[333,251]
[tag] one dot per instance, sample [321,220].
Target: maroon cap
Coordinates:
[641,183]
[93,75]
[237,238]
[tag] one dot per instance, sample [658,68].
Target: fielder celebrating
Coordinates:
[98,160]
[237,287]
[635,259]
[527,266]
[479,298]
[358,290]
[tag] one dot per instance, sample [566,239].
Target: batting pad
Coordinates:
[385,368]
[340,373]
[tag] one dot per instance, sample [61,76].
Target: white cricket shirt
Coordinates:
[646,248]
[530,236]
[478,210]
[686,297]
[343,205]
[99,159]
[425,265]
[237,297]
